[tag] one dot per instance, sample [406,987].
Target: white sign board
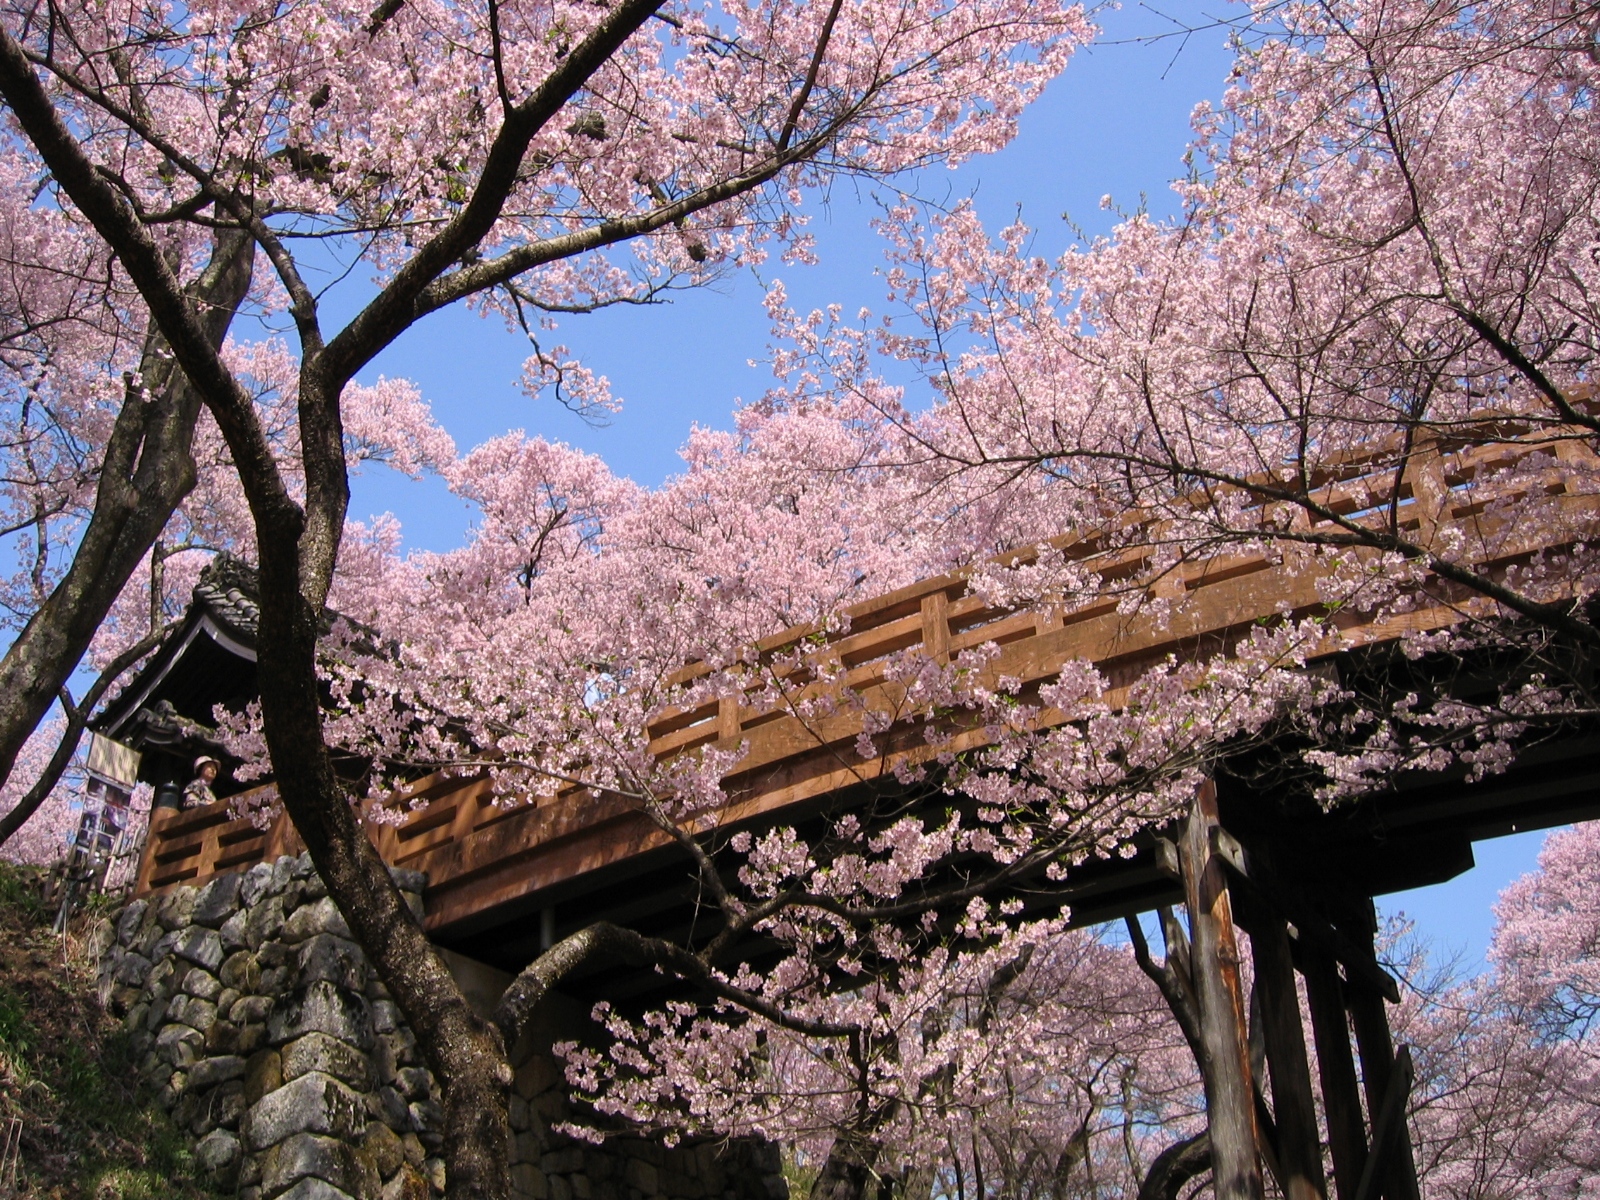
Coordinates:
[113,762]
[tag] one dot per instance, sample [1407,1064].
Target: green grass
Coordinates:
[68,1072]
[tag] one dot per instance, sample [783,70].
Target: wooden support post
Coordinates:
[1230,1095]
[1299,1145]
[1388,1130]
[1341,1101]
[1397,1174]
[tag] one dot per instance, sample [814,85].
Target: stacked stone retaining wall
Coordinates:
[265,1032]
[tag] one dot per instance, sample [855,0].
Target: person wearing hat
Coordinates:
[199,790]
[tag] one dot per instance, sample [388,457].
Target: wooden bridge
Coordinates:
[490,865]
[505,881]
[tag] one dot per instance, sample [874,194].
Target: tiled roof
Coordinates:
[229,591]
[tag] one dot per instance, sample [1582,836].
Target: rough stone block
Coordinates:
[320,916]
[250,1010]
[242,970]
[304,891]
[560,1189]
[385,1016]
[415,1154]
[222,1038]
[384,1145]
[132,971]
[149,936]
[314,1189]
[128,921]
[218,1155]
[391,1107]
[180,1045]
[562,1162]
[197,981]
[282,872]
[334,960]
[209,1072]
[263,1073]
[217,901]
[136,1017]
[641,1175]
[263,922]
[192,1011]
[312,1103]
[235,931]
[176,907]
[413,1082]
[426,1117]
[226,1106]
[323,1008]
[255,883]
[530,1181]
[307,1156]
[408,1184]
[251,1039]
[198,945]
[319,1052]
[156,1015]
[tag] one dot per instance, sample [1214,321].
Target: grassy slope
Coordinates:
[87,1129]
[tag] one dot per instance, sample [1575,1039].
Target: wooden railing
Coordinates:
[479,854]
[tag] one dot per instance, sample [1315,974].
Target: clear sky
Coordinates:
[1116,123]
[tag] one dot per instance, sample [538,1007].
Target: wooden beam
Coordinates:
[1230,1094]
[1341,1098]
[1381,1075]
[1390,1139]
[1275,894]
[1299,1146]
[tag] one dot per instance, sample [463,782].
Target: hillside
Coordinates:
[87,1131]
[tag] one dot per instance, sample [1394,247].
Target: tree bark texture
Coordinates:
[1230,1095]
[1176,1166]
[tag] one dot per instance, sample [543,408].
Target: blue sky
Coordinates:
[1116,123]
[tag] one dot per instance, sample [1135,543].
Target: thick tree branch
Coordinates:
[77,720]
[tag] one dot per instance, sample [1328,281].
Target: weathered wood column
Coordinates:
[1230,1096]
[1341,1098]
[1397,1172]
[1294,1110]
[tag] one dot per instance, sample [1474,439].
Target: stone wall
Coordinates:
[267,1035]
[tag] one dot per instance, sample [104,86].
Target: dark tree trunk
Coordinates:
[1176,1166]
[466,1053]
[848,1172]
[147,471]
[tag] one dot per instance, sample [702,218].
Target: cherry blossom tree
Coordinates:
[1385,256]
[534,158]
